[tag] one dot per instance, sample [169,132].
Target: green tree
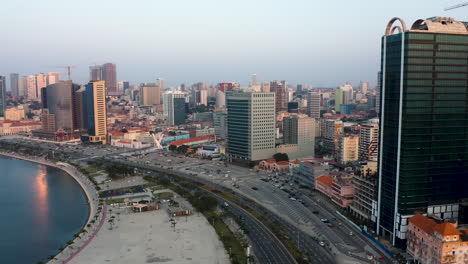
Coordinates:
[281,157]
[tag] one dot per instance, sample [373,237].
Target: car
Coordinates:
[254,188]
[315,212]
[330,225]
[324,220]
[351,233]
[321,243]
[292,198]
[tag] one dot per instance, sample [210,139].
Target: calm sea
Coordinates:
[41,208]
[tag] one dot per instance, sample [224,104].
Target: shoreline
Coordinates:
[92,197]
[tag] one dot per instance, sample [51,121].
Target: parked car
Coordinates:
[254,188]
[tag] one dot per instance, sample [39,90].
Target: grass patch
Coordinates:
[163,195]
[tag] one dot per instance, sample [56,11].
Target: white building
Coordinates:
[348,149]
[299,130]
[369,140]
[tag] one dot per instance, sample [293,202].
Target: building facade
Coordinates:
[313,104]
[95,112]
[14,84]
[332,131]
[2,96]
[251,125]
[174,107]
[281,92]
[300,130]
[423,148]
[369,140]
[348,149]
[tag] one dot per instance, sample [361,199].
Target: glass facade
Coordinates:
[238,120]
[425,161]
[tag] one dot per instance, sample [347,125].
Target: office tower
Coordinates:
[300,130]
[2,96]
[364,87]
[369,140]
[265,87]
[109,75]
[281,93]
[313,104]
[343,95]
[150,94]
[14,84]
[23,86]
[332,131]
[251,125]
[379,90]
[293,107]
[41,82]
[220,124]
[31,87]
[348,149]
[79,108]
[255,80]
[59,102]
[174,107]
[53,77]
[95,112]
[423,161]
[95,73]
[203,97]
[122,86]
[161,82]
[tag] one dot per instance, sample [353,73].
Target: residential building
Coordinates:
[15,113]
[2,96]
[281,93]
[343,95]
[369,140]
[313,104]
[332,131]
[53,77]
[348,149]
[161,82]
[14,84]
[432,240]
[364,206]
[342,192]
[306,171]
[265,87]
[31,87]
[41,82]
[423,161]
[174,107]
[251,125]
[364,87]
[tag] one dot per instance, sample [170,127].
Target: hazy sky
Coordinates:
[323,43]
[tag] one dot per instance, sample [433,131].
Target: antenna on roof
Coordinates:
[456,6]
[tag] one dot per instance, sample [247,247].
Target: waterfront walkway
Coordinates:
[96,217]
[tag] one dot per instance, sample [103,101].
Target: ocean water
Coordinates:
[41,208]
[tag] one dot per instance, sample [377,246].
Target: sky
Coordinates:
[321,43]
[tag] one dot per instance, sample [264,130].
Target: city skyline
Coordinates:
[300,46]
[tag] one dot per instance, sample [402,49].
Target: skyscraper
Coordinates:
[59,97]
[95,73]
[364,87]
[281,94]
[332,131]
[423,161]
[174,107]
[150,94]
[161,82]
[14,84]
[348,149]
[95,112]
[31,87]
[313,104]
[343,95]
[41,82]
[300,130]
[2,95]
[109,75]
[251,125]
[254,80]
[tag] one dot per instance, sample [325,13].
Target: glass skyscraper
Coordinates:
[423,160]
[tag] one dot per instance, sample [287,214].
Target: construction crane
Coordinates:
[456,6]
[69,70]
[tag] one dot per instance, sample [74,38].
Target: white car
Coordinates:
[292,198]
[321,243]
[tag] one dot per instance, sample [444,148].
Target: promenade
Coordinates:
[96,217]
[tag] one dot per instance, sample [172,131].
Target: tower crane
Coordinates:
[69,70]
[456,6]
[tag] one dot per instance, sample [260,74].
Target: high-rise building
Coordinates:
[59,102]
[122,86]
[265,87]
[220,123]
[369,140]
[53,77]
[251,125]
[14,84]
[220,99]
[2,96]
[255,80]
[203,97]
[31,87]
[299,88]
[348,148]
[41,82]
[95,112]
[174,107]
[23,86]
[150,94]
[378,92]
[313,104]
[332,131]
[423,161]
[161,82]
[109,75]
[364,87]
[300,130]
[343,95]
[281,93]
[95,73]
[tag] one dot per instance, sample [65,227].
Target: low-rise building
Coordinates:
[342,191]
[9,127]
[364,206]
[436,241]
[305,171]
[15,113]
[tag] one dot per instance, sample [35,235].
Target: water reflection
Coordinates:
[41,199]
